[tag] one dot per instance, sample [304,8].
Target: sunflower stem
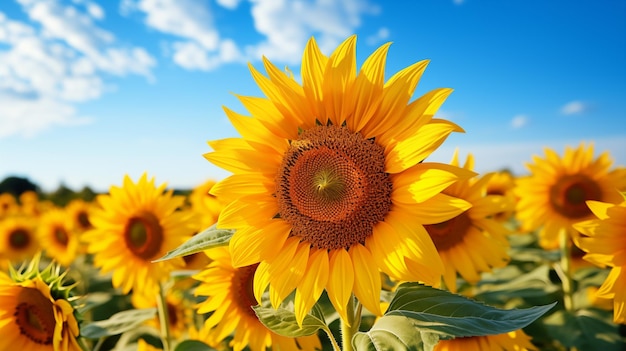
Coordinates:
[566,267]
[351,326]
[163,319]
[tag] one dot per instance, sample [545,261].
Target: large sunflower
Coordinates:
[137,223]
[230,298]
[512,341]
[329,177]
[473,241]
[32,320]
[604,240]
[553,196]
[57,236]
[18,239]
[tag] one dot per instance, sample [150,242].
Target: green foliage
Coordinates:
[192,345]
[17,185]
[282,321]
[210,237]
[118,323]
[420,315]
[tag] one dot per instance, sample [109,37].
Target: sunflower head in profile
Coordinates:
[57,236]
[472,242]
[35,313]
[207,205]
[137,224]
[603,240]
[502,183]
[552,197]
[329,176]
[230,297]
[512,341]
[18,237]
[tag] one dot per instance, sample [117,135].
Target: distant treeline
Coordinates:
[61,196]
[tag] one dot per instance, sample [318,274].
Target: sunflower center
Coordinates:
[172,314]
[243,289]
[332,187]
[61,236]
[34,316]
[449,233]
[569,194]
[19,239]
[83,220]
[144,235]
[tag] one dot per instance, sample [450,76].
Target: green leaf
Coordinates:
[193,345]
[283,321]
[206,239]
[585,330]
[450,315]
[117,323]
[394,333]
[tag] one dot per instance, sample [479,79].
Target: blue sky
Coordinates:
[93,90]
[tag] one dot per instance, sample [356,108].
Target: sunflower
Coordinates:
[207,205]
[472,242]
[8,204]
[605,243]
[32,320]
[553,196]
[136,224]
[179,311]
[79,211]
[329,177]
[512,341]
[57,235]
[502,183]
[18,240]
[230,297]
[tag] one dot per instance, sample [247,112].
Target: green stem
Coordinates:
[566,267]
[163,319]
[332,339]
[351,326]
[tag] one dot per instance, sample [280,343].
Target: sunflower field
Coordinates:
[334,231]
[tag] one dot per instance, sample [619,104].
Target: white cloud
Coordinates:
[57,61]
[229,4]
[288,25]
[381,35]
[574,108]
[519,121]
[285,25]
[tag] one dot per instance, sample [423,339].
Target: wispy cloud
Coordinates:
[286,26]
[519,121]
[381,35]
[574,108]
[57,61]
[458,2]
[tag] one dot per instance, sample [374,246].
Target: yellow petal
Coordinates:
[312,284]
[261,280]
[339,75]
[408,152]
[388,251]
[437,209]
[251,245]
[367,283]
[340,282]
[425,180]
[396,95]
[367,93]
[287,269]
[312,71]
